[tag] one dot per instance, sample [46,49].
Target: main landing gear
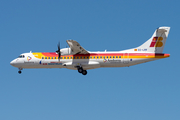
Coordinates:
[80,70]
[20,70]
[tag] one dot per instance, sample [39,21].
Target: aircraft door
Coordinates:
[125,58]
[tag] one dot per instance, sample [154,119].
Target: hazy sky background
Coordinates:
[149,91]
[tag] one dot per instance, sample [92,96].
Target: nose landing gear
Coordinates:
[20,70]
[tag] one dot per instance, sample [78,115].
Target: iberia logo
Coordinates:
[156,42]
[29,58]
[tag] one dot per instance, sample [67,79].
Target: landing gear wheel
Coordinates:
[19,72]
[80,70]
[84,72]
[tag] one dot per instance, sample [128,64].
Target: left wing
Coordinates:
[76,47]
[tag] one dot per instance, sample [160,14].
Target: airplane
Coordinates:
[77,58]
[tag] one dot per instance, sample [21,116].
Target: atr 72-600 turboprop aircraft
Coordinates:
[77,58]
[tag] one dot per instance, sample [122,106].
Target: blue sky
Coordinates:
[147,91]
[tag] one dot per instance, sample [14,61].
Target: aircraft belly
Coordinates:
[86,63]
[111,63]
[39,63]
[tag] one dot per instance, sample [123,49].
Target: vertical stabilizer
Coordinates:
[157,42]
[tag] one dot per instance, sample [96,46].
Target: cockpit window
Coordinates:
[21,56]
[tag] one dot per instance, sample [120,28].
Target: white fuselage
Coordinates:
[91,61]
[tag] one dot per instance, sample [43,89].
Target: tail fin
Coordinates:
[157,42]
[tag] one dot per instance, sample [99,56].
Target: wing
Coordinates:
[76,47]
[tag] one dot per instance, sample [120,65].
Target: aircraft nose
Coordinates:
[13,62]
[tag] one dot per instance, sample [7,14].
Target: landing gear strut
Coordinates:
[80,70]
[20,70]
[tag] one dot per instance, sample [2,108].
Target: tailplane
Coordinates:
[157,42]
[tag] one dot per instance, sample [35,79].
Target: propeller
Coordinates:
[59,52]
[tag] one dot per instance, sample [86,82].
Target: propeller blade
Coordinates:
[59,46]
[59,52]
[59,55]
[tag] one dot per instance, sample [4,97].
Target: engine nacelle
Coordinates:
[66,51]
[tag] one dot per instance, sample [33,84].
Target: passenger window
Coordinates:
[64,57]
[71,57]
[84,57]
[74,58]
[42,57]
[116,56]
[52,58]
[94,57]
[91,57]
[97,57]
[119,56]
[45,57]
[67,57]
[81,57]
[77,57]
